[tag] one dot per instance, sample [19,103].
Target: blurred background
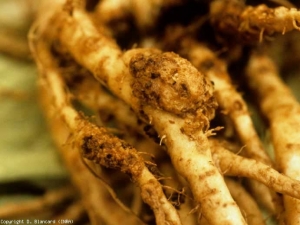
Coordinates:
[28,161]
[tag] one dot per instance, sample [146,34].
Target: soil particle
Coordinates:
[109,151]
[169,82]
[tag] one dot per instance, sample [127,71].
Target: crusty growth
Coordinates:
[233,105]
[107,150]
[104,149]
[76,35]
[230,101]
[161,78]
[86,63]
[94,192]
[250,23]
[96,144]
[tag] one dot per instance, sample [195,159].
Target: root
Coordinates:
[281,109]
[73,34]
[251,23]
[143,92]
[99,146]
[233,106]
[46,203]
[234,165]
[247,204]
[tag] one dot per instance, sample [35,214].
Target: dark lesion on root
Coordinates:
[168,82]
[87,148]
[109,151]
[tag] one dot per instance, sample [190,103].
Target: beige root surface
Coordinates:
[230,101]
[245,201]
[252,23]
[233,105]
[96,144]
[145,13]
[282,110]
[169,95]
[107,55]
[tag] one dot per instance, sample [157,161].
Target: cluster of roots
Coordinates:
[148,103]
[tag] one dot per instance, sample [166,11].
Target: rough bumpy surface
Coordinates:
[169,82]
[109,151]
